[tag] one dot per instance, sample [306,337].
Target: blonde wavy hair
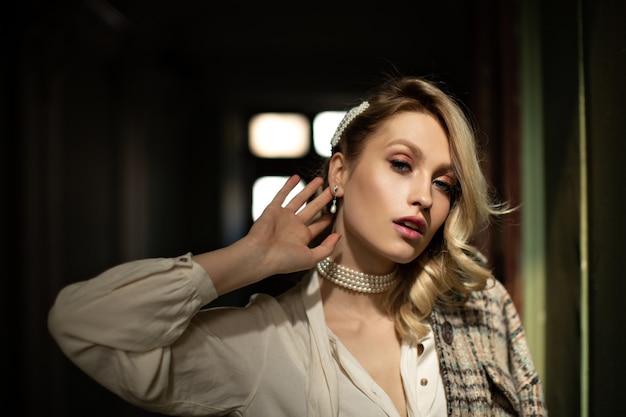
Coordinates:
[451,267]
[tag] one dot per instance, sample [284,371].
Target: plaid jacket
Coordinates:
[485,363]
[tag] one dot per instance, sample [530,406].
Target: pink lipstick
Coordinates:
[410,227]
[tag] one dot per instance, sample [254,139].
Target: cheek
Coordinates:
[372,187]
[440,210]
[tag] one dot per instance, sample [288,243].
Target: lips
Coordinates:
[411,228]
[413,223]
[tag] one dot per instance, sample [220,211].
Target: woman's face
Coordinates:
[396,196]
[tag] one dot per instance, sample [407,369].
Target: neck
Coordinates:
[354,280]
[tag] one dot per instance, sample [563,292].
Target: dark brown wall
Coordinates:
[584,57]
[123,130]
[562,205]
[605,63]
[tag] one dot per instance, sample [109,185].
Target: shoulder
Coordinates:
[286,310]
[489,308]
[266,320]
[495,305]
[494,296]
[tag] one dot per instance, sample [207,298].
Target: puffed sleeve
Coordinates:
[132,329]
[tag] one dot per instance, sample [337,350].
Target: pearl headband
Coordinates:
[354,112]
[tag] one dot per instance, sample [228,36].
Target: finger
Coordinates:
[303,196]
[316,205]
[319,225]
[326,248]
[284,191]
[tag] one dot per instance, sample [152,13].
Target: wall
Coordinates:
[579,87]
[123,130]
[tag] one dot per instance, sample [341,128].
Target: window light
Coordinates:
[279,135]
[324,126]
[265,188]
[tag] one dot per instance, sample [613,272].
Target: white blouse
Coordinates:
[137,330]
[423,386]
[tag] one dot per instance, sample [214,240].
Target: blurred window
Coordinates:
[285,136]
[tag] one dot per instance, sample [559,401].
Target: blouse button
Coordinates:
[423,382]
[447,332]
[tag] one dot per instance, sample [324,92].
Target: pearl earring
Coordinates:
[333,206]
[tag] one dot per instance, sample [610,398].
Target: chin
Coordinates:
[406,258]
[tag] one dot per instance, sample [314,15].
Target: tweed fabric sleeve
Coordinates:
[484,358]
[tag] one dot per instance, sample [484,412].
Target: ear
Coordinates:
[337,171]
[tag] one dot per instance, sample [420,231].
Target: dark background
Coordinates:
[123,137]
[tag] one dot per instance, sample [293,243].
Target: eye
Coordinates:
[444,185]
[400,166]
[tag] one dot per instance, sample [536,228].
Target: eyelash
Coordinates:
[404,167]
[400,166]
[444,186]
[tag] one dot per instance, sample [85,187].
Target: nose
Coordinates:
[421,192]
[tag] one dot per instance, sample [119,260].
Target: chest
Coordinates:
[378,351]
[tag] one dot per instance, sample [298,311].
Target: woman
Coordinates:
[396,317]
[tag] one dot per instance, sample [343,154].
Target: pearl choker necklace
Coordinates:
[354,280]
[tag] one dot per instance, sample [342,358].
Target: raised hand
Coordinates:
[284,233]
[277,242]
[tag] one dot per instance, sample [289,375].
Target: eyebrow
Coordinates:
[419,154]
